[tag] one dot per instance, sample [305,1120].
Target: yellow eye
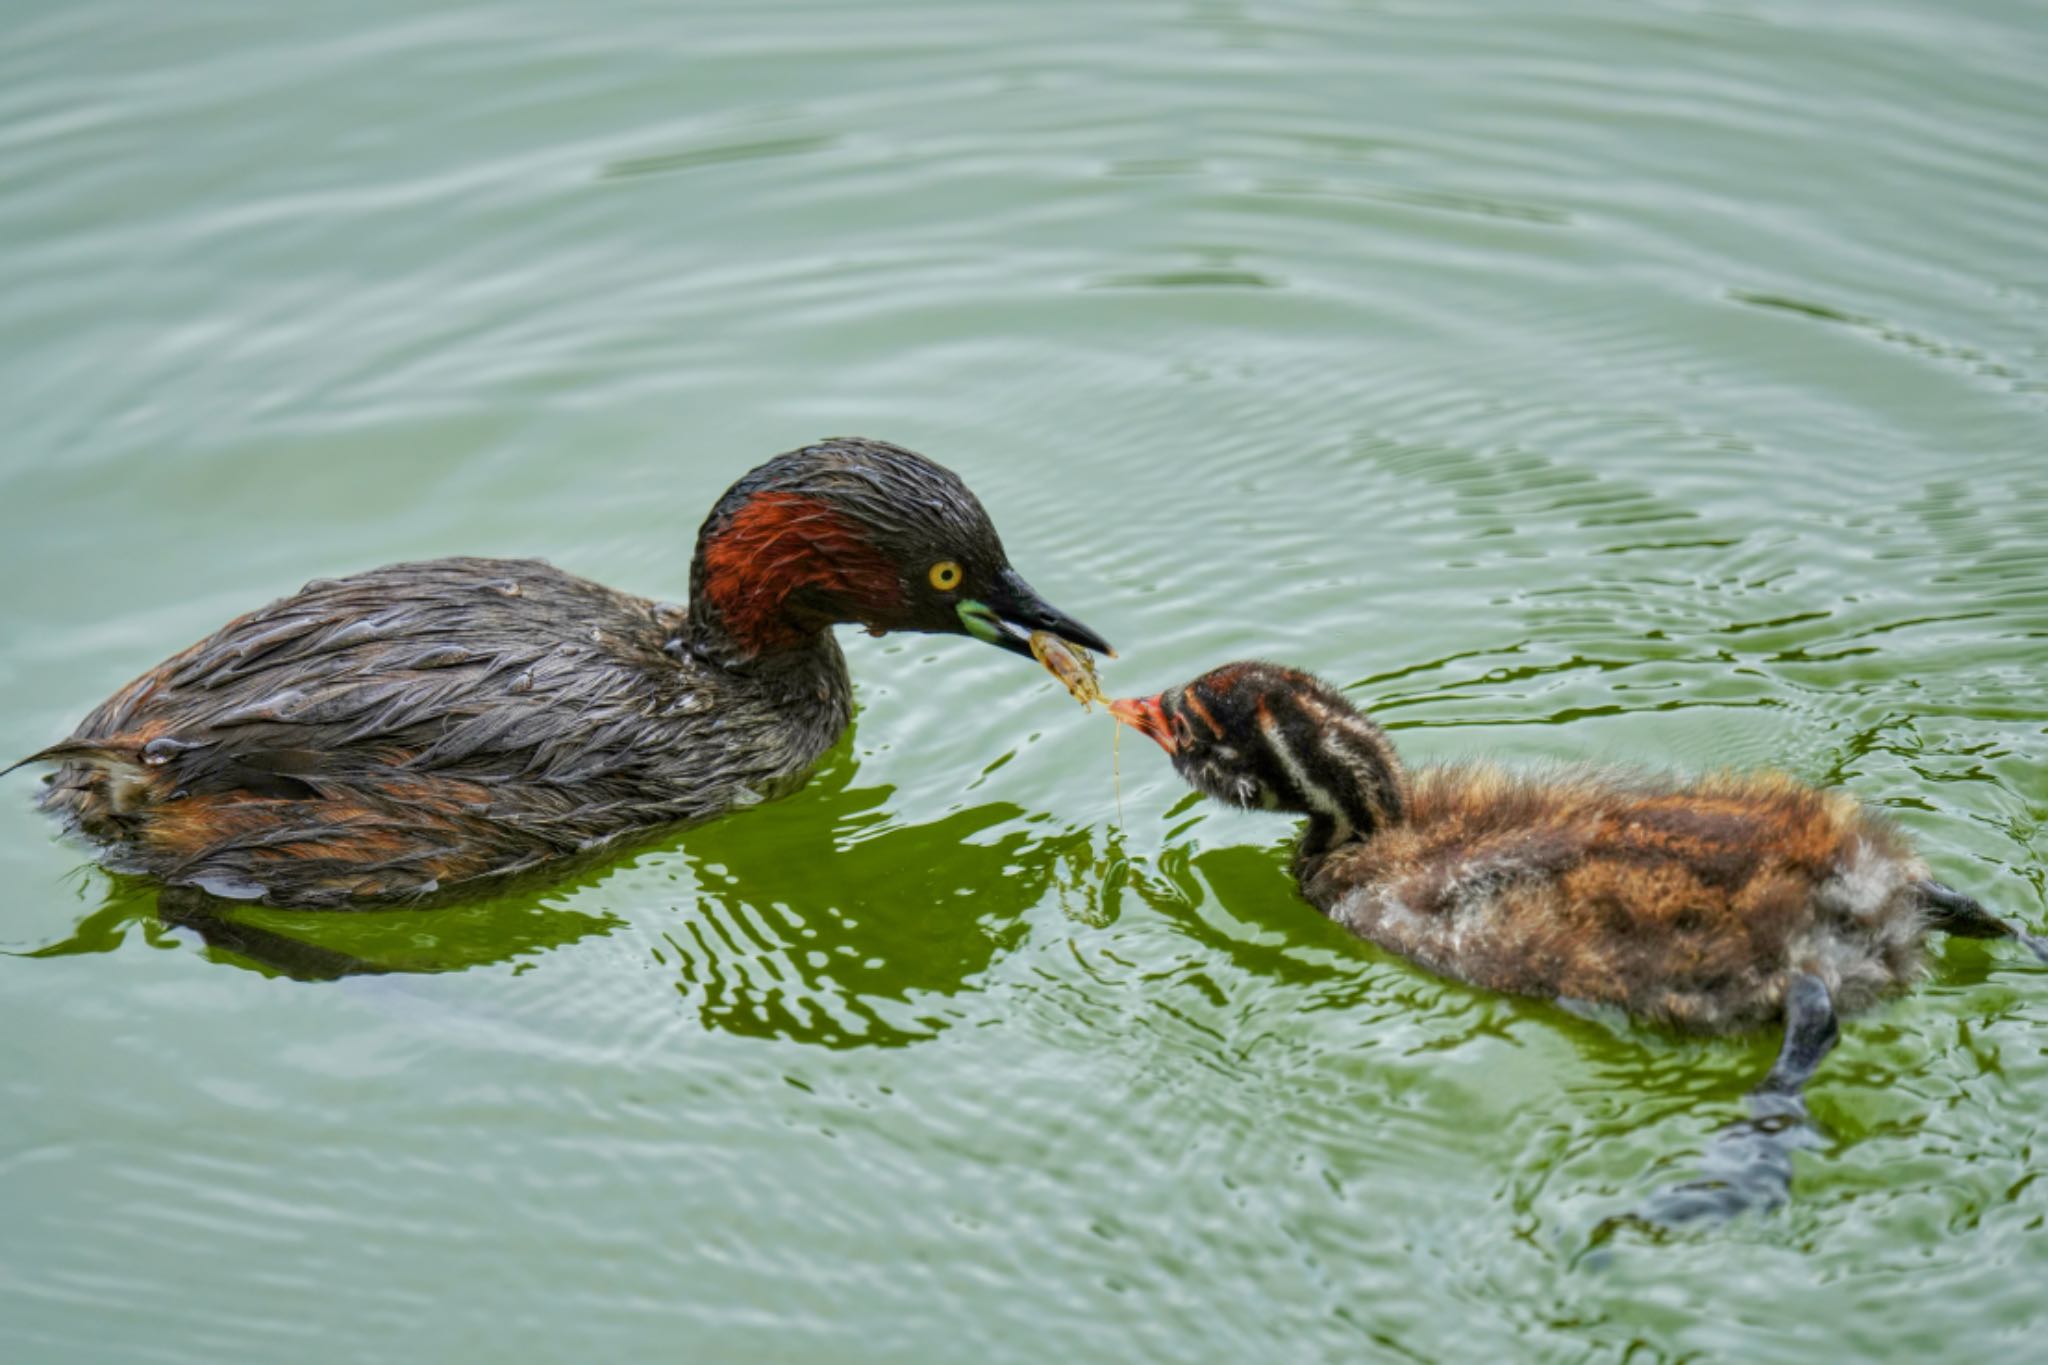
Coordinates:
[946,575]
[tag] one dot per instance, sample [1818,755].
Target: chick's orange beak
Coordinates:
[1145,715]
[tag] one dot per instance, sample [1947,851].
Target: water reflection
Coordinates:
[1746,1168]
[820,918]
[329,945]
[826,922]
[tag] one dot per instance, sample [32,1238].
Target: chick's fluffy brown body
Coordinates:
[1686,903]
[1714,904]
[1699,903]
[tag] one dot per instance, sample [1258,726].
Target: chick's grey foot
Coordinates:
[1748,1165]
[1810,1034]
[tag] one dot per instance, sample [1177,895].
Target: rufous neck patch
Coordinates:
[778,544]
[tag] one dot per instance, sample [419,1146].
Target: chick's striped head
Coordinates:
[1265,737]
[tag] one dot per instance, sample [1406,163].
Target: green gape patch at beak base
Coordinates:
[981,622]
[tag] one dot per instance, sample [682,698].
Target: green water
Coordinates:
[1661,382]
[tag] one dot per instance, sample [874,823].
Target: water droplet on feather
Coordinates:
[163,749]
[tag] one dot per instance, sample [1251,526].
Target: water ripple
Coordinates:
[1659,384]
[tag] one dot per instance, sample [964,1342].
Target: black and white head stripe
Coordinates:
[1259,735]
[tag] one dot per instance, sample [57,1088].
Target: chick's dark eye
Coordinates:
[1183,734]
[946,575]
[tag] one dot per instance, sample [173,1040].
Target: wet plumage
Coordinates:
[406,730]
[1696,903]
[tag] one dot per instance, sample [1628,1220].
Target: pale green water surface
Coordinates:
[1653,381]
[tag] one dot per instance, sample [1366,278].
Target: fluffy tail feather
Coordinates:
[56,753]
[1954,913]
[76,751]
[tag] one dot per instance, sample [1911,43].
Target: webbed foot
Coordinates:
[1748,1165]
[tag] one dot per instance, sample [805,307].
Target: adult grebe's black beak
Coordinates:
[1010,611]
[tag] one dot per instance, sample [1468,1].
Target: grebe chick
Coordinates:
[420,726]
[1714,905]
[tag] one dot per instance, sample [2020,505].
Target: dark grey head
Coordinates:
[868,533]
[1270,738]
